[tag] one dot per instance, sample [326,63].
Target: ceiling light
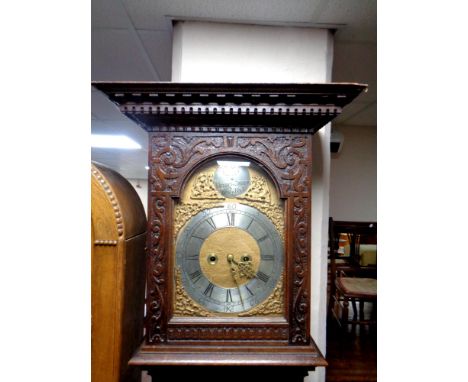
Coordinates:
[146,167]
[113,142]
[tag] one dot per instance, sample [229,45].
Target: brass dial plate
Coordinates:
[252,279]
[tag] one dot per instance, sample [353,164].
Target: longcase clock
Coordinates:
[229,250]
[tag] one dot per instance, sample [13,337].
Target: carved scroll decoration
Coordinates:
[287,153]
[172,154]
[300,281]
[157,286]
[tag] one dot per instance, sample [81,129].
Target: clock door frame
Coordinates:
[173,157]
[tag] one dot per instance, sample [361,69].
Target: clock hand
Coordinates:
[231,261]
[245,268]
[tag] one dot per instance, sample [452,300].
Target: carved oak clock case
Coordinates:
[228,253]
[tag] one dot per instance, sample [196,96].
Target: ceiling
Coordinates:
[132,41]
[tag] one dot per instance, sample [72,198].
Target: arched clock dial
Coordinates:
[230,257]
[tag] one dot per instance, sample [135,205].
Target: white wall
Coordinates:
[141,187]
[213,52]
[353,176]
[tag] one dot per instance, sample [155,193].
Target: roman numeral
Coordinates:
[209,290]
[248,290]
[211,223]
[262,238]
[262,276]
[195,276]
[191,257]
[268,257]
[198,237]
[231,218]
[228,308]
[228,295]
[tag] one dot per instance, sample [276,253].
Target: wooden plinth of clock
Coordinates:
[229,251]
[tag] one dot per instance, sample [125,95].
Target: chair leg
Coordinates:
[361,310]
[344,314]
[355,311]
[335,306]
[355,315]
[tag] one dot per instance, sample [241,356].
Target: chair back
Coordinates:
[356,233]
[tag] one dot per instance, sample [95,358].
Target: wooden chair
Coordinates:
[350,280]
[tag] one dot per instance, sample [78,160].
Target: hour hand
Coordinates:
[234,272]
[244,267]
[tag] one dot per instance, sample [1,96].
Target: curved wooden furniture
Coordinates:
[118,234]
